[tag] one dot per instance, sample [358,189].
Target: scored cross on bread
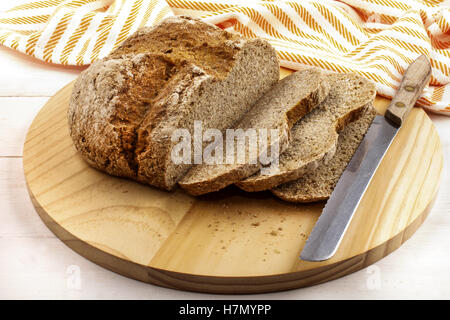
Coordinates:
[125,107]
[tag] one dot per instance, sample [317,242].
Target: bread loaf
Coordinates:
[318,184]
[315,136]
[282,106]
[125,107]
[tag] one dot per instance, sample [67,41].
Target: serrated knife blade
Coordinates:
[338,212]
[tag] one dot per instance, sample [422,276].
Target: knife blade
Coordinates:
[337,214]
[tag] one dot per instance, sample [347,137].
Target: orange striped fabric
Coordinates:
[374,38]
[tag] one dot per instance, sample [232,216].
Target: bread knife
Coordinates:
[337,214]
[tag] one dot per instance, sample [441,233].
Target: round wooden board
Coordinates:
[228,242]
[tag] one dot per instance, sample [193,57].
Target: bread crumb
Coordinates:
[273,233]
[255,224]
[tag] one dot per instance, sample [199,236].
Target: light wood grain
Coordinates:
[230,242]
[16,115]
[34,263]
[36,79]
[416,77]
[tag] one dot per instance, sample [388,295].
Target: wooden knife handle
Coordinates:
[416,77]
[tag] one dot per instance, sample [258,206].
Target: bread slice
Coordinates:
[318,184]
[283,105]
[125,107]
[315,136]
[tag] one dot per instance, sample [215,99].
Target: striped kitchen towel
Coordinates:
[374,38]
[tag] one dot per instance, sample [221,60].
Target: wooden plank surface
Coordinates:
[228,240]
[34,264]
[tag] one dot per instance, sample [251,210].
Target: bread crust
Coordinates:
[125,106]
[318,185]
[195,181]
[352,110]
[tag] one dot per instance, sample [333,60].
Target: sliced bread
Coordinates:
[318,184]
[125,107]
[282,106]
[315,136]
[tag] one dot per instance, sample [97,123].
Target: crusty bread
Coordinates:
[318,184]
[315,136]
[282,106]
[125,107]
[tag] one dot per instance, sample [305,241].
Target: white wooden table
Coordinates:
[34,264]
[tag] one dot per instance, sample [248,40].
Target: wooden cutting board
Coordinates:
[228,242]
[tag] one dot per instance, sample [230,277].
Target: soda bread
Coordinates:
[318,184]
[280,108]
[124,107]
[315,136]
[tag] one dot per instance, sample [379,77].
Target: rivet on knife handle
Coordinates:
[416,78]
